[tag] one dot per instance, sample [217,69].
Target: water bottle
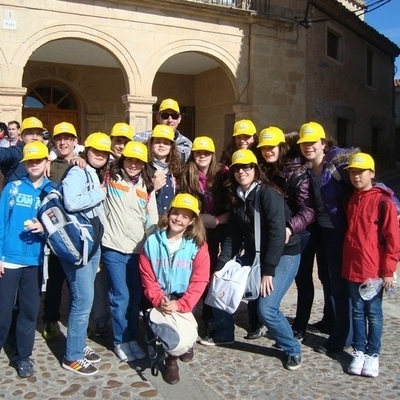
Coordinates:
[370,288]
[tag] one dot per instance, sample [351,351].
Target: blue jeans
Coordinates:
[26,282]
[81,284]
[367,321]
[268,307]
[125,292]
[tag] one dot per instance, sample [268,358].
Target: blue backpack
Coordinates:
[72,236]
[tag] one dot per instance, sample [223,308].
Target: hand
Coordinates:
[288,234]
[35,226]
[47,170]
[1,269]
[159,180]
[267,286]
[387,282]
[79,161]
[223,218]
[168,306]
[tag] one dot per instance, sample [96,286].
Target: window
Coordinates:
[343,132]
[369,68]
[375,141]
[334,45]
[50,94]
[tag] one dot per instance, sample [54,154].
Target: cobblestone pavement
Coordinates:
[245,370]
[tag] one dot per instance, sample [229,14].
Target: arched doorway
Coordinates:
[52,102]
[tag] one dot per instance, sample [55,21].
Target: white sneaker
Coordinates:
[371,366]
[357,364]
[124,352]
[136,350]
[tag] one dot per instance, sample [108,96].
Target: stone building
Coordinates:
[277,62]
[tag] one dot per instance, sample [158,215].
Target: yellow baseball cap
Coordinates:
[271,136]
[30,123]
[64,127]
[122,129]
[244,127]
[169,104]
[361,161]
[99,141]
[203,143]
[311,132]
[135,150]
[34,151]
[163,131]
[186,200]
[243,157]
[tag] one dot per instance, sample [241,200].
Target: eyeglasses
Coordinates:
[243,167]
[64,138]
[165,115]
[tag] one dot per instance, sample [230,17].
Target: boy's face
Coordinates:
[36,168]
[361,179]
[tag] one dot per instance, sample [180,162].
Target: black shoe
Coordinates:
[25,368]
[257,333]
[326,349]
[320,327]
[293,363]
[300,336]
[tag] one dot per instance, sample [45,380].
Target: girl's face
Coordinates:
[36,168]
[117,145]
[244,175]
[313,151]
[97,158]
[132,167]
[244,142]
[270,153]
[202,159]
[361,179]
[160,148]
[178,220]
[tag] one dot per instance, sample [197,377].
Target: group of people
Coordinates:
[170,214]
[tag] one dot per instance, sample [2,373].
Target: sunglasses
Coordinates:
[243,167]
[165,115]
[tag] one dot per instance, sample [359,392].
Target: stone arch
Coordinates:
[127,64]
[229,63]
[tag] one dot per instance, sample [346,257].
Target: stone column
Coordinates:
[11,99]
[139,111]
[242,111]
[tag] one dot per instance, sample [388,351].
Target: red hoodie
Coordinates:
[364,256]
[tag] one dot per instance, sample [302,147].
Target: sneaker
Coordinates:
[25,368]
[209,341]
[124,352]
[136,350]
[256,333]
[81,367]
[299,335]
[371,366]
[293,363]
[90,355]
[50,331]
[357,363]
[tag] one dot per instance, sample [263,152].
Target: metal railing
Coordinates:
[255,5]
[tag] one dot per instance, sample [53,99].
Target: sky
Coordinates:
[386,20]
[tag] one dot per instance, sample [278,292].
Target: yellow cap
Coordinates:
[64,127]
[99,141]
[203,143]
[34,151]
[311,132]
[169,104]
[163,131]
[271,136]
[361,161]
[135,150]
[122,129]
[186,200]
[244,127]
[32,122]
[243,157]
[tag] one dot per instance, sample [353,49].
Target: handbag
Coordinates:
[234,281]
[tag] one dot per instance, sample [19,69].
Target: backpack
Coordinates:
[72,236]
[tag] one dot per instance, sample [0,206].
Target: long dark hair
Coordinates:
[101,172]
[117,168]
[173,158]
[4,128]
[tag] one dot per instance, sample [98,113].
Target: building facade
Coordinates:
[277,62]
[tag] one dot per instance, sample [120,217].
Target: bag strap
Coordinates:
[257,223]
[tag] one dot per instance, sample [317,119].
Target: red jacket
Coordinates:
[198,281]
[364,256]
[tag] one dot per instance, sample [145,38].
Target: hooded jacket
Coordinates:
[10,164]
[372,241]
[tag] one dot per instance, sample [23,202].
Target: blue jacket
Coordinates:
[10,164]
[19,202]
[173,274]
